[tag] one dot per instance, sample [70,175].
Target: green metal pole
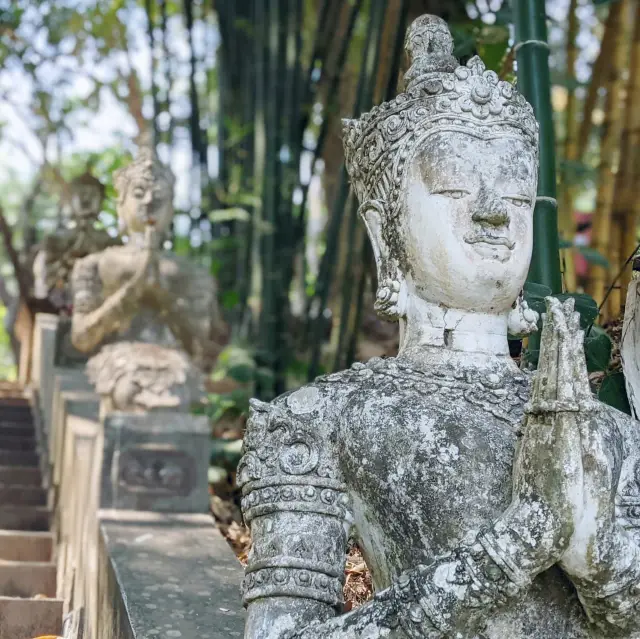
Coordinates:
[532,55]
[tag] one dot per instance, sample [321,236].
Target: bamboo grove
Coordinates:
[257,95]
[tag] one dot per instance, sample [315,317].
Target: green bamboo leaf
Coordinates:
[597,350]
[593,256]
[534,295]
[614,393]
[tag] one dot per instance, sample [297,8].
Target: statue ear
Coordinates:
[392,289]
[372,213]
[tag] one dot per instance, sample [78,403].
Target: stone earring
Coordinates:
[391,298]
[522,320]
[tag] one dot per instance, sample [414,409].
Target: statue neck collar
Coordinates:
[428,325]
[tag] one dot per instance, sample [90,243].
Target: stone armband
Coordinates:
[296,505]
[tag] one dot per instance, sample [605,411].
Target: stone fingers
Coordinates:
[542,385]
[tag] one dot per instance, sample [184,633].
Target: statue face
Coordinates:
[85,201]
[147,202]
[468,221]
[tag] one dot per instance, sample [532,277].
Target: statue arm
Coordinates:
[93,316]
[456,593]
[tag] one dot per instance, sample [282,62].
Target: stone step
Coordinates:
[26,443]
[22,475]
[15,429]
[21,495]
[15,412]
[15,415]
[28,618]
[18,458]
[26,546]
[14,403]
[27,518]
[27,579]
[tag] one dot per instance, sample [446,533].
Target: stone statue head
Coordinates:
[446,174]
[87,193]
[145,193]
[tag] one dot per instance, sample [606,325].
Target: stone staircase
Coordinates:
[28,604]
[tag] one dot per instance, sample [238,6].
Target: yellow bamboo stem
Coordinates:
[598,72]
[633,140]
[609,144]
[566,224]
[623,209]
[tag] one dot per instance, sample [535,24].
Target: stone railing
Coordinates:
[138,555]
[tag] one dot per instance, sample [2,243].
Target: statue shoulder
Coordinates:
[292,439]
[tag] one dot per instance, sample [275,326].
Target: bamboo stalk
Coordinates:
[612,127]
[625,216]
[566,223]
[153,65]
[534,80]
[598,74]
[168,79]
[355,271]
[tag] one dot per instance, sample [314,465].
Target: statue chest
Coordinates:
[429,458]
[119,265]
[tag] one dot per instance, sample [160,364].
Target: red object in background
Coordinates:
[582,238]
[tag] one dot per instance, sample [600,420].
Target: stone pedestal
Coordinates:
[156,462]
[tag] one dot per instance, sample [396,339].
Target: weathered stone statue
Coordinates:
[155,314]
[58,253]
[488,503]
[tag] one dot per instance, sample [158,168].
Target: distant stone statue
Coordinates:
[59,251]
[154,314]
[489,503]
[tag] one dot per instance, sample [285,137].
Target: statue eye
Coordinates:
[138,192]
[454,194]
[520,202]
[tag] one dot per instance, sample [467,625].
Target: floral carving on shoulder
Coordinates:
[502,396]
[288,461]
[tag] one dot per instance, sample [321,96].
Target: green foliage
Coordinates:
[8,369]
[590,254]
[597,349]
[614,393]
[491,42]
[236,364]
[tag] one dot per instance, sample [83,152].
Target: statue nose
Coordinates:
[490,209]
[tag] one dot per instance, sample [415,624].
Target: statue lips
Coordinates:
[494,246]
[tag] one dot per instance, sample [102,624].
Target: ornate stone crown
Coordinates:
[439,96]
[146,167]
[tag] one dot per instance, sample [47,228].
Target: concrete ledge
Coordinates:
[169,576]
